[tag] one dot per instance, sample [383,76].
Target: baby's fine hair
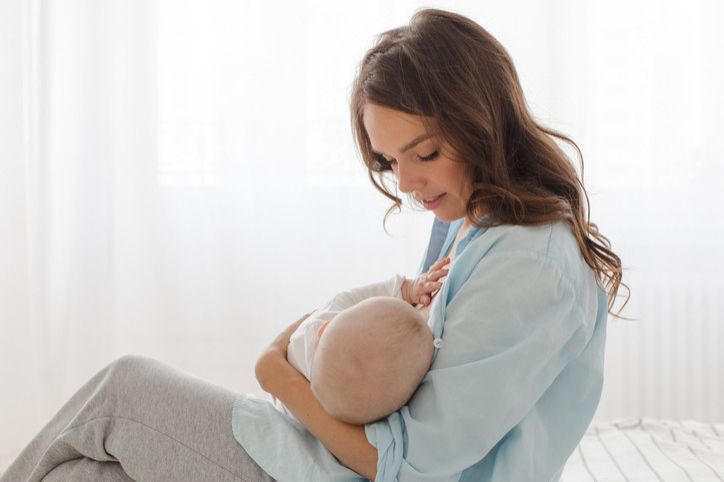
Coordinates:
[371,359]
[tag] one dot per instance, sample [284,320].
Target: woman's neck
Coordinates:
[467,224]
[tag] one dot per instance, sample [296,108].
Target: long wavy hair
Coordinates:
[460,80]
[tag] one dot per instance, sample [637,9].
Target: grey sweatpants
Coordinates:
[139,419]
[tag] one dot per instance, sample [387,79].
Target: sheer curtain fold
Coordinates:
[83,192]
[177,179]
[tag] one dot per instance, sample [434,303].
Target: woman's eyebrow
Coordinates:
[410,144]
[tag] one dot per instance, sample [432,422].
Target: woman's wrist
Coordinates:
[287,388]
[272,366]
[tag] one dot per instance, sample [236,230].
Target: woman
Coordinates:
[515,382]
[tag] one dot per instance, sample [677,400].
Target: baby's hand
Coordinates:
[424,287]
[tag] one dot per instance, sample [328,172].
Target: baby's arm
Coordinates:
[347,299]
[413,291]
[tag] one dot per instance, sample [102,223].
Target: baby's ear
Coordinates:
[321,328]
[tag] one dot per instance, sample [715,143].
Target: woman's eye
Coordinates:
[382,164]
[429,157]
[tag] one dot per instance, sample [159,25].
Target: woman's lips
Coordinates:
[434,202]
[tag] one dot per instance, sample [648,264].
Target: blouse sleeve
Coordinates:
[510,328]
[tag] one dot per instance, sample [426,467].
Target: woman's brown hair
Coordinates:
[455,75]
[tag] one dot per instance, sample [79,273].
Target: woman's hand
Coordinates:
[424,287]
[272,366]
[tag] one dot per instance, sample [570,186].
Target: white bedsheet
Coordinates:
[644,449]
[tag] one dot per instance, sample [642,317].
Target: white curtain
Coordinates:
[178,180]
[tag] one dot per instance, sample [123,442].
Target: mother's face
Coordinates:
[423,165]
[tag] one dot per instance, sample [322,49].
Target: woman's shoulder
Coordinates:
[550,240]
[553,244]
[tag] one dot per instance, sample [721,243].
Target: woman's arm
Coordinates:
[346,441]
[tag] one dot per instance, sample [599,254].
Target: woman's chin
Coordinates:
[447,217]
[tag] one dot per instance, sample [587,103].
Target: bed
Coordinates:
[643,449]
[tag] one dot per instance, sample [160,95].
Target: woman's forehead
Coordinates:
[374,115]
[391,130]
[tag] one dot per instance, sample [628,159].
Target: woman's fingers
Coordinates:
[282,340]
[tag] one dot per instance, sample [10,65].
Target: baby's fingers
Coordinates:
[439,263]
[431,286]
[437,274]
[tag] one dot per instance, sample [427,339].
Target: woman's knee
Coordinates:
[131,363]
[130,367]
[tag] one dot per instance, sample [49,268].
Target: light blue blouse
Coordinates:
[511,390]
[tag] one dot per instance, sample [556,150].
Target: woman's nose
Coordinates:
[408,177]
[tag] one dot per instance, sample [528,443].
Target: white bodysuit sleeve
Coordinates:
[303,342]
[389,287]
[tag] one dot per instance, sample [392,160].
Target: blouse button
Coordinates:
[437,342]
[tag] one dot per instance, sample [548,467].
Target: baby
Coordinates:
[368,349]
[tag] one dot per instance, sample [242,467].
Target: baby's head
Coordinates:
[370,359]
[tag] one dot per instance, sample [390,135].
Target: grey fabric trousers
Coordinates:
[139,419]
